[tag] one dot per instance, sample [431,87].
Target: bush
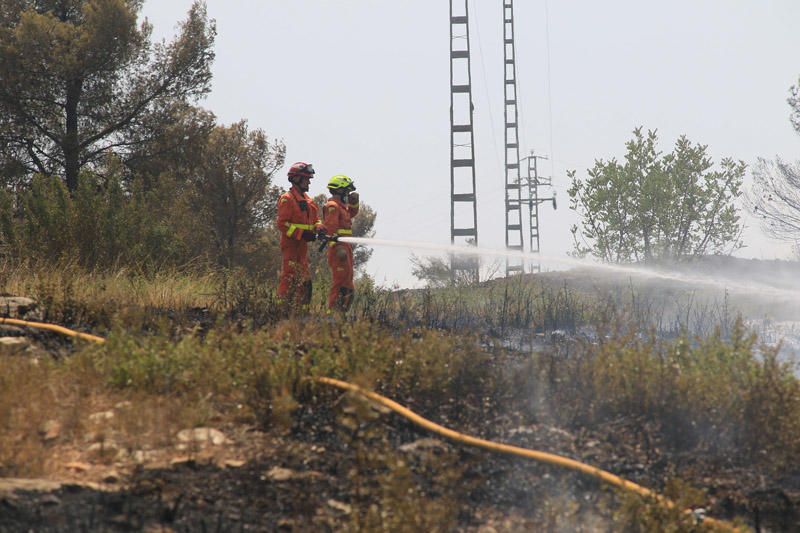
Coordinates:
[722,396]
[107,224]
[642,515]
[264,368]
[99,227]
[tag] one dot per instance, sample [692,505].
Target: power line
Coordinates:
[486,85]
[549,84]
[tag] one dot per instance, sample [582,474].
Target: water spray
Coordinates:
[475,251]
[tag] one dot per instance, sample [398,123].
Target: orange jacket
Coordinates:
[337,217]
[296,212]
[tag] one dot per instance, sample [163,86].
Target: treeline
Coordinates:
[106,158]
[213,207]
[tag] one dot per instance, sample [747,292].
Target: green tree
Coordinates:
[80,78]
[232,191]
[656,206]
[363,226]
[171,148]
[775,195]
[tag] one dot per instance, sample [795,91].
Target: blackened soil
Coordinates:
[338,462]
[341,459]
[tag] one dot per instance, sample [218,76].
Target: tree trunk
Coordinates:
[648,254]
[70,144]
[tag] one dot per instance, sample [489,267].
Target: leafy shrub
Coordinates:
[259,368]
[723,396]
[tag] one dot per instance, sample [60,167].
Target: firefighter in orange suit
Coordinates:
[299,223]
[337,219]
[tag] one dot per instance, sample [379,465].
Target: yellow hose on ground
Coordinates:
[433,427]
[542,457]
[52,327]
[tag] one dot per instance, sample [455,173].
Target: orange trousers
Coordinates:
[295,282]
[340,259]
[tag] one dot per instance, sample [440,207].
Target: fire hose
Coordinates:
[542,457]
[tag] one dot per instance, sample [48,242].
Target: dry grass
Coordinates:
[721,397]
[643,515]
[70,295]
[253,370]
[69,401]
[255,376]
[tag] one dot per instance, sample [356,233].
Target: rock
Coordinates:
[16,306]
[50,430]
[13,344]
[8,486]
[277,473]
[144,456]
[111,476]
[233,463]
[103,446]
[103,451]
[181,460]
[50,499]
[102,416]
[78,466]
[522,430]
[286,523]
[123,405]
[340,506]
[202,436]
[423,445]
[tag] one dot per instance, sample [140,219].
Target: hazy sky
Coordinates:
[361,87]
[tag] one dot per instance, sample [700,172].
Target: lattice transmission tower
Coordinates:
[463,199]
[513,185]
[534,182]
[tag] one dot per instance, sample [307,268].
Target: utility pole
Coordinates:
[463,198]
[534,182]
[513,185]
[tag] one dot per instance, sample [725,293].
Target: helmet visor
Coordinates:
[305,170]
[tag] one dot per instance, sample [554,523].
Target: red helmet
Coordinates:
[301,169]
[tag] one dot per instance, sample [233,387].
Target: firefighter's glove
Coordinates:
[325,239]
[352,198]
[309,236]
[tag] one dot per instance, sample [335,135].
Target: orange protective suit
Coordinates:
[297,215]
[337,220]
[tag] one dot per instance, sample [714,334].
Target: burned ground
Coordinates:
[316,459]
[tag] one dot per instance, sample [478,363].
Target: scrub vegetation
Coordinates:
[128,211]
[661,411]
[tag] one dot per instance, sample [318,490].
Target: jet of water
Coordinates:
[742,287]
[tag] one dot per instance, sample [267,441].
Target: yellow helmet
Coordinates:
[341,184]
